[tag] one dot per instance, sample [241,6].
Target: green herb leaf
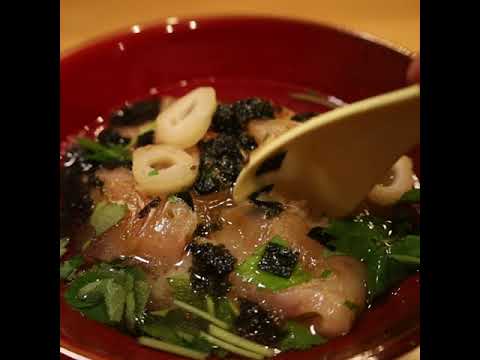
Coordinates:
[299,337]
[410,197]
[68,267]
[249,271]
[104,154]
[223,311]
[115,297]
[182,291]
[367,239]
[153,172]
[106,215]
[142,293]
[326,273]
[130,319]
[407,246]
[63,245]
[351,305]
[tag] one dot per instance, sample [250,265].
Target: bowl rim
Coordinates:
[123,31]
[66,347]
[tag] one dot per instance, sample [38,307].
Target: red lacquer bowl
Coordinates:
[240,57]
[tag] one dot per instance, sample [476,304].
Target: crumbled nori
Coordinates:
[271,164]
[265,189]
[302,117]
[220,163]
[271,208]
[318,233]
[278,260]
[256,324]
[146,210]
[247,142]
[211,265]
[109,137]
[233,118]
[205,229]
[224,120]
[136,113]
[253,108]
[76,182]
[146,138]
[187,197]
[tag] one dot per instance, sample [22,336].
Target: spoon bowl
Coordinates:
[336,158]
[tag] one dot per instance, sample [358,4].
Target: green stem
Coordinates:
[229,347]
[240,342]
[174,349]
[200,313]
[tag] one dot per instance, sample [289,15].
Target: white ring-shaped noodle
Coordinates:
[402,182]
[176,169]
[186,121]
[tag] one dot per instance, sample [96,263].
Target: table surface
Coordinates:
[397,21]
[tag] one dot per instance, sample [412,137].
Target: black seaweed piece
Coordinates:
[254,108]
[302,117]
[146,210]
[224,120]
[265,189]
[187,197]
[256,324]
[247,142]
[271,164]
[233,118]
[211,265]
[271,208]
[318,233]
[278,260]
[203,230]
[75,184]
[109,137]
[220,163]
[146,138]
[136,113]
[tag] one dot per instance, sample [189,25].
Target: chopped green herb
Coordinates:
[115,297]
[250,272]
[173,199]
[104,293]
[130,319]
[68,267]
[201,313]
[229,347]
[210,305]
[63,245]
[116,154]
[142,293]
[171,348]
[369,240]
[351,305]
[240,342]
[153,172]
[326,273]
[182,290]
[224,311]
[410,197]
[299,337]
[106,215]
[406,247]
